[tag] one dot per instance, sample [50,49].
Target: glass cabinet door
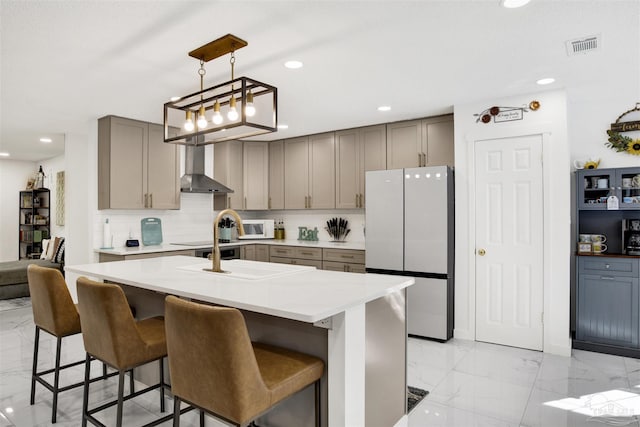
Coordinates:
[628,187]
[594,187]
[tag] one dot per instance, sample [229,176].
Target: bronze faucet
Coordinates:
[216,246]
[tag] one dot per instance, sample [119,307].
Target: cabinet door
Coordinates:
[256,175]
[348,169]
[373,154]
[123,154]
[163,171]
[276,175]
[262,253]
[593,188]
[404,144]
[438,142]
[608,310]
[248,252]
[296,173]
[227,161]
[322,172]
[628,187]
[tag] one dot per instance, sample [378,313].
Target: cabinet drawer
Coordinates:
[609,266]
[308,253]
[344,255]
[282,251]
[343,266]
[296,261]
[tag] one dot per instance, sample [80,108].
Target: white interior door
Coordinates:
[509,230]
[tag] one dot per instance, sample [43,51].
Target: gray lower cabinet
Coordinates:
[608,301]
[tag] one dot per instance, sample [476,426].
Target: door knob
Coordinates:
[481,252]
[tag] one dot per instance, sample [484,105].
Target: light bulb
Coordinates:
[202,120]
[249,109]
[217,117]
[233,113]
[188,124]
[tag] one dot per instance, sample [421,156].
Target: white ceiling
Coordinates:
[67,63]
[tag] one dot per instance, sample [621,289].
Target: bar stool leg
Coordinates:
[56,380]
[176,411]
[318,409]
[131,388]
[162,384]
[36,344]
[120,398]
[85,394]
[201,418]
[104,371]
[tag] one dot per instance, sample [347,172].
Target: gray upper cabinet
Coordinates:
[416,143]
[309,172]
[276,175]
[136,168]
[256,175]
[357,151]
[228,170]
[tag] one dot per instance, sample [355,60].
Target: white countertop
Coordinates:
[166,247]
[307,295]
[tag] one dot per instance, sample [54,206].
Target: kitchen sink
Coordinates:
[249,270]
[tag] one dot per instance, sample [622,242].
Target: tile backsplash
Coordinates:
[194,220]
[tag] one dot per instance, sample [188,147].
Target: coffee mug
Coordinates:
[585,238]
[627,199]
[594,181]
[598,247]
[626,182]
[603,183]
[598,238]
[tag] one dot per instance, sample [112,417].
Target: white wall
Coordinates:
[549,120]
[13,179]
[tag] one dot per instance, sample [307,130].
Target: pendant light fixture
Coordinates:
[239,108]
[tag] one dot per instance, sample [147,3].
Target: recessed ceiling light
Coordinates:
[384,108]
[512,4]
[283,126]
[4,154]
[174,98]
[293,65]
[546,81]
[46,140]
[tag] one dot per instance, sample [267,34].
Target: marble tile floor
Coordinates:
[470,384]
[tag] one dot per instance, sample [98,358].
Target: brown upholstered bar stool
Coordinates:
[53,312]
[113,336]
[215,367]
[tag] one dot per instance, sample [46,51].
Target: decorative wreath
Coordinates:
[622,143]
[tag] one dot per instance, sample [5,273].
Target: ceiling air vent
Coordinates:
[583,45]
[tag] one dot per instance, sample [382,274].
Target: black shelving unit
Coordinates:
[34,222]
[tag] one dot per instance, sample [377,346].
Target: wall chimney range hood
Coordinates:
[194,180]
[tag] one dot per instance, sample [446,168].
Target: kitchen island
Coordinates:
[355,322]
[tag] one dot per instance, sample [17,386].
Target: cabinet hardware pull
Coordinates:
[419,159]
[347,256]
[245,203]
[309,201]
[607,266]
[481,252]
[357,206]
[607,278]
[151,200]
[269,203]
[229,202]
[361,200]
[146,200]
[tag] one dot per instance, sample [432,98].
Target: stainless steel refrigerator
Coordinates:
[410,231]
